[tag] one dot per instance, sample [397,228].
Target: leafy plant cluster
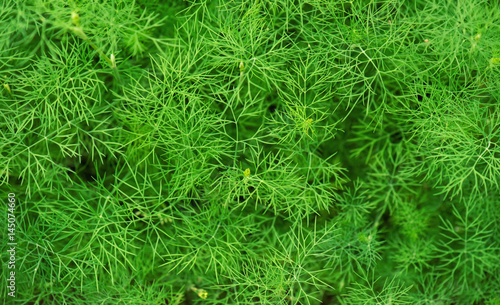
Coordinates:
[252,152]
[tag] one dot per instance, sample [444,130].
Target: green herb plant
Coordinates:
[251,152]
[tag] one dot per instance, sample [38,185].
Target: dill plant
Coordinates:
[252,152]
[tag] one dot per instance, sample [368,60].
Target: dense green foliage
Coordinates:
[252,152]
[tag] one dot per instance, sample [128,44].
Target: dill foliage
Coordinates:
[252,152]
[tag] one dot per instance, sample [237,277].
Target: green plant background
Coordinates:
[252,152]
